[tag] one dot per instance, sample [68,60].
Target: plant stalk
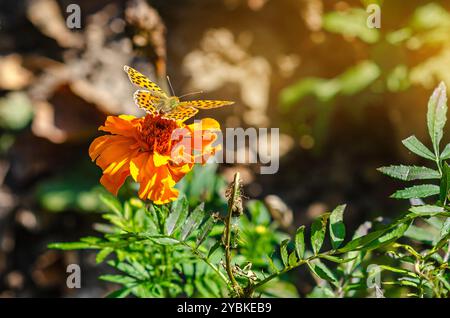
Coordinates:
[227,240]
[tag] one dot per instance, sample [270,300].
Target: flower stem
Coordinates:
[227,240]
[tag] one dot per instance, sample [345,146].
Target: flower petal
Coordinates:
[156,183]
[124,125]
[113,154]
[159,159]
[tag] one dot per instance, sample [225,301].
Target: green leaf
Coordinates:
[389,237]
[213,248]
[300,242]
[414,145]
[177,216]
[437,115]
[445,153]
[419,191]
[112,203]
[194,219]
[445,183]
[118,279]
[292,259]
[321,292]
[165,240]
[284,252]
[358,243]
[272,267]
[278,289]
[205,229]
[445,231]
[398,270]
[427,210]
[103,254]
[336,259]
[322,271]
[408,173]
[71,246]
[318,230]
[420,235]
[337,226]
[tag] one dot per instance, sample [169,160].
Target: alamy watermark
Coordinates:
[374,280]
[238,145]
[74,278]
[73,20]
[374,18]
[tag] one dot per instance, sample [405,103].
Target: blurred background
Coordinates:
[342,94]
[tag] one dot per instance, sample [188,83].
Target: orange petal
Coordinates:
[156,183]
[112,183]
[124,125]
[113,154]
[178,172]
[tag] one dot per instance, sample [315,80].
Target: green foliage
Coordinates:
[184,249]
[431,270]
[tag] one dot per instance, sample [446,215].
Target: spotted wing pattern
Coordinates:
[206,104]
[181,113]
[141,80]
[146,101]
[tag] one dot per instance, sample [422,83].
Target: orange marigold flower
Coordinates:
[155,151]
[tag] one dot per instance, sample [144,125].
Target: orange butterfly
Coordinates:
[155,101]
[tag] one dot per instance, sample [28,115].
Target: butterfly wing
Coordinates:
[206,104]
[181,113]
[146,101]
[141,80]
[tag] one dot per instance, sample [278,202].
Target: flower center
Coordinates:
[156,133]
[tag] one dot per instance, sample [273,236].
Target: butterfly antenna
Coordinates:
[170,84]
[188,94]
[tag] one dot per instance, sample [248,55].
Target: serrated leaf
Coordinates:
[193,220]
[359,242]
[318,229]
[445,153]
[300,242]
[205,229]
[415,146]
[103,254]
[408,173]
[419,191]
[437,115]
[337,226]
[118,279]
[387,238]
[112,203]
[427,210]
[128,269]
[284,252]
[178,213]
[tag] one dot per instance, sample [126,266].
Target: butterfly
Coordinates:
[156,102]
